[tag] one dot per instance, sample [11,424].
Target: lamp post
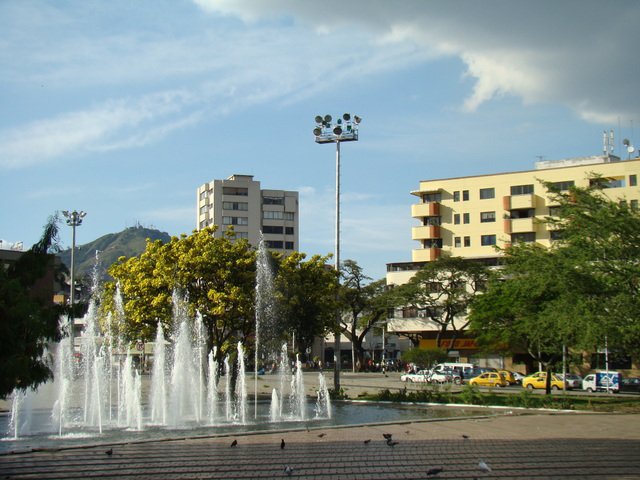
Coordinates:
[344,129]
[74,219]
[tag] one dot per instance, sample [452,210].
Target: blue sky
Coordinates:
[122,109]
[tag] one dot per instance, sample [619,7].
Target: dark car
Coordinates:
[630,384]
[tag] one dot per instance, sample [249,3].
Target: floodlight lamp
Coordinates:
[318,119]
[317,131]
[339,121]
[327,118]
[346,117]
[337,130]
[357,119]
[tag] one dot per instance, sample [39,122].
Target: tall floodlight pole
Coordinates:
[345,129]
[74,219]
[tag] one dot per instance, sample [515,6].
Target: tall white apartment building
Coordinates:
[239,202]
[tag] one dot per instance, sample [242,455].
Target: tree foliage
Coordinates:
[442,291]
[306,293]
[364,304]
[29,318]
[215,275]
[581,290]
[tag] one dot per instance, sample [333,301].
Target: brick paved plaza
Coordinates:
[539,445]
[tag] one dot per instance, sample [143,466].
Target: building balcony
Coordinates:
[425,232]
[522,225]
[426,254]
[430,209]
[513,202]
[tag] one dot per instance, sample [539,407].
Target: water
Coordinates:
[344,413]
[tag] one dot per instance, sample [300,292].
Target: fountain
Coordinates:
[101,390]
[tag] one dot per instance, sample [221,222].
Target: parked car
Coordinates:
[603,381]
[479,370]
[489,379]
[630,384]
[419,376]
[508,376]
[539,380]
[519,377]
[572,380]
[444,376]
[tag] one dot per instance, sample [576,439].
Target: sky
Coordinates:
[122,109]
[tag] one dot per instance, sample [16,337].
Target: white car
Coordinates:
[572,380]
[421,376]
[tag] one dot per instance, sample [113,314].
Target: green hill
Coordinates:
[130,242]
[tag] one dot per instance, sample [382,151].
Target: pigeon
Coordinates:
[109,452]
[391,443]
[434,471]
[288,470]
[367,441]
[282,444]
[483,466]
[234,443]
[322,435]
[465,436]
[387,436]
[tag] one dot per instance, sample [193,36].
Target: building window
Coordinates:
[554,211]
[457,242]
[465,218]
[244,206]
[467,241]
[271,215]
[431,221]
[526,237]
[633,181]
[273,244]
[562,186]
[203,224]
[203,209]
[431,197]
[243,192]
[486,217]
[235,221]
[456,196]
[288,230]
[487,240]
[555,235]
[610,182]
[486,193]
[289,216]
[273,200]
[456,219]
[288,245]
[522,189]
[203,195]
[465,195]
[432,243]
[633,204]
[272,229]
[523,213]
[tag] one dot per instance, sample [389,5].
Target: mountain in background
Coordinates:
[131,242]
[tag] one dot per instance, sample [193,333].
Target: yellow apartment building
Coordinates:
[468,216]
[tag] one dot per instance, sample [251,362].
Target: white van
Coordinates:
[607,381]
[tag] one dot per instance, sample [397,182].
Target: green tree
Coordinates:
[29,318]
[442,291]
[216,276]
[306,292]
[424,357]
[581,290]
[365,305]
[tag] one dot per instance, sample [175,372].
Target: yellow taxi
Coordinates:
[489,379]
[539,380]
[508,376]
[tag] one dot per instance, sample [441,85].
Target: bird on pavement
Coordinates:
[391,443]
[322,435]
[282,444]
[465,436]
[367,441]
[483,466]
[434,471]
[109,452]
[234,443]
[387,436]
[288,470]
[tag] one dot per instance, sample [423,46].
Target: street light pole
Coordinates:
[343,130]
[74,219]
